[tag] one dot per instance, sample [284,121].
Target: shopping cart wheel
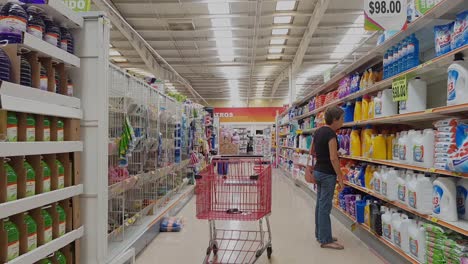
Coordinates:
[269,252]
[215,248]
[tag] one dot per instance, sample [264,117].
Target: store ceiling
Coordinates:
[211,43]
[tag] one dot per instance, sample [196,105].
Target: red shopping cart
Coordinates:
[236,188]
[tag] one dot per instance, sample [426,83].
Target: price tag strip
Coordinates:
[385,14]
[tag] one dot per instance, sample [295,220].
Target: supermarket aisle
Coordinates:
[292,230]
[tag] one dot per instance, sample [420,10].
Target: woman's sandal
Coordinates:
[332,245]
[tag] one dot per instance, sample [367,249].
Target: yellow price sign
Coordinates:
[299,132]
[435,220]
[432,170]
[400,89]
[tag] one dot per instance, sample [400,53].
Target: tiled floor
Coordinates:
[292,223]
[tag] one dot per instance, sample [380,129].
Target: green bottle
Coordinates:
[46,129]
[45,261]
[47,225]
[60,257]
[31,228]
[60,131]
[12,183]
[12,127]
[62,216]
[12,239]
[61,174]
[46,176]
[30,129]
[30,179]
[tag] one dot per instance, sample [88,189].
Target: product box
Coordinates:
[458,158]
[423,6]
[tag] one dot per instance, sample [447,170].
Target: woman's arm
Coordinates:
[332,146]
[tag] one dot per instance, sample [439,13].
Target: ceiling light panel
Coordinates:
[273,57]
[282,19]
[218,8]
[285,5]
[223,33]
[119,59]
[279,41]
[221,22]
[113,52]
[275,50]
[280,31]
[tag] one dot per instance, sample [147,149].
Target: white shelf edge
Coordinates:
[18,98]
[22,205]
[49,248]
[46,49]
[10,149]
[67,13]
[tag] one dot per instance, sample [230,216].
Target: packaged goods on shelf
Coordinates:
[445,199]
[457,84]
[443,38]
[462,199]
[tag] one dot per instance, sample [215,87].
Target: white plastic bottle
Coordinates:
[400,232]
[387,233]
[384,105]
[396,147]
[377,180]
[402,144]
[424,188]
[457,83]
[396,217]
[389,184]
[401,185]
[411,187]
[423,148]
[417,240]
[444,199]
[462,199]
[417,96]
[412,135]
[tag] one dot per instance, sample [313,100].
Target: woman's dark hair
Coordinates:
[332,114]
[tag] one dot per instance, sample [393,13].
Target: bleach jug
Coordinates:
[387,224]
[377,180]
[402,142]
[401,185]
[444,199]
[400,232]
[417,240]
[384,105]
[389,140]
[417,95]
[379,147]
[411,187]
[412,134]
[423,148]
[389,184]
[462,199]
[457,83]
[423,199]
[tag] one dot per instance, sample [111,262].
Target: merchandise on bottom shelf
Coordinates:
[451,145]
[443,246]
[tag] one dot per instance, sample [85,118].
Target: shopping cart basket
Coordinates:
[235,189]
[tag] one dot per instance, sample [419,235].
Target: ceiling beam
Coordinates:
[320,8]
[145,50]
[258,17]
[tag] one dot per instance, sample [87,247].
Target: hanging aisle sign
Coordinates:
[78,5]
[385,14]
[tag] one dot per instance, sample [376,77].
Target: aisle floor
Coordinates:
[292,224]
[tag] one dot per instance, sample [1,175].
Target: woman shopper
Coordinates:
[326,172]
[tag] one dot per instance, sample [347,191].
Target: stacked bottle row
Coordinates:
[401,57]
[26,231]
[27,127]
[35,21]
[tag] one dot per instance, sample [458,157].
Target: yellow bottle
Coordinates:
[379,147]
[355,145]
[365,108]
[367,213]
[371,108]
[389,141]
[363,83]
[368,176]
[366,141]
[372,78]
[358,110]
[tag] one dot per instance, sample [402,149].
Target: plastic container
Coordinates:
[400,232]
[360,208]
[371,108]
[402,147]
[365,107]
[462,199]
[377,179]
[349,112]
[66,42]
[411,190]
[57,82]
[12,183]
[46,136]
[60,131]
[12,234]
[46,176]
[417,240]
[12,127]
[60,257]
[457,84]
[69,87]
[36,25]
[5,66]
[44,80]
[460,30]
[413,52]
[396,147]
[355,148]
[376,218]
[31,228]
[13,22]
[30,179]
[444,199]
[389,142]
[387,233]
[401,187]
[60,174]
[366,141]
[423,194]
[389,187]
[46,261]
[30,128]
[62,217]
[47,225]
[52,32]
[358,110]
[379,147]
[384,105]
[423,148]
[417,97]
[25,72]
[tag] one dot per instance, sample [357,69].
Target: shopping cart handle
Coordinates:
[198,177]
[233,211]
[254,177]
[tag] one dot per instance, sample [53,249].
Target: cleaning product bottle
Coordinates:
[444,199]
[389,142]
[402,144]
[367,212]
[13,22]
[396,58]
[404,56]
[372,78]
[43,79]
[387,233]
[12,236]
[377,179]
[46,176]
[31,228]
[379,147]
[12,182]
[36,25]
[60,174]
[47,224]
[46,261]
[358,110]
[424,188]
[417,240]
[423,148]
[384,104]
[400,232]
[401,181]
[30,128]
[62,217]
[371,107]
[67,42]
[413,52]
[366,140]
[363,83]
[46,136]
[60,257]
[30,179]
[368,175]
[417,96]
[390,63]
[396,147]
[457,84]
[60,131]
[462,199]
[389,187]
[355,143]
[412,135]
[385,65]
[69,87]
[52,32]
[5,66]
[376,218]
[411,187]
[365,108]
[25,72]
[12,127]
[57,88]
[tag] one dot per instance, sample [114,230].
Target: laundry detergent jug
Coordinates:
[462,199]
[417,95]
[444,199]
[457,83]
[389,186]
[417,240]
[400,232]
[423,148]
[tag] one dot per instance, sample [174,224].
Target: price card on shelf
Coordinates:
[385,14]
[400,89]
[79,5]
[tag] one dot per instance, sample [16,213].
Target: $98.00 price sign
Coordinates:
[385,14]
[78,5]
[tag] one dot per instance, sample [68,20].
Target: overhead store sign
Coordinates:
[385,14]
[400,89]
[79,5]
[247,114]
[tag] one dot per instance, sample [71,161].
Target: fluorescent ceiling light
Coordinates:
[218,8]
[279,41]
[352,37]
[223,33]
[275,50]
[110,45]
[113,52]
[226,52]
[285,5]
[221,22]
[121,59]
[282,19]
[227,43]
[273,57]
[226,58]
[280,31]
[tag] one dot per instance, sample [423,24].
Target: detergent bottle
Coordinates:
[367,212]
[387,224]
[355,148]
[378,179]
[379,147]
[376,218]
[389,186]
[396,147]
[444,199]
[402,144]
[401,185]
[423,148]
[371,107]
[412,134]
[389,142]
[411,187]
[358,110]
[366,141]
[457,84]
[417,96]
[384,105]
[462,198]
[424,188]
[365,107]
[400,232]
[417,240]
[368,176]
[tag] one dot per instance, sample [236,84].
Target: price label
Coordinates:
[78,5]
[353,226]
[435,220]
[400,89]
[385,14]
[299,132]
